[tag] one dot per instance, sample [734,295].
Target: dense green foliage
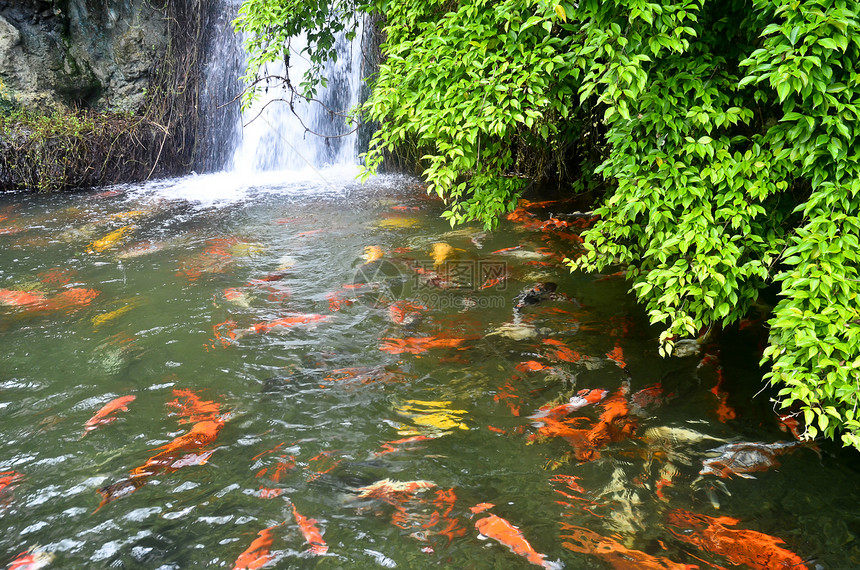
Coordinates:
[727,133]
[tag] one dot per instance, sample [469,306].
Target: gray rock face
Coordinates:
[96,54]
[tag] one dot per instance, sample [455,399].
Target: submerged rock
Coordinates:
[535,294]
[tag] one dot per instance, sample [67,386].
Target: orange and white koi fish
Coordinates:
[237,297]
[505,533]
[32,559]
[107,413]
[617,555]
[311,532]
[579,401]
[257,555]
[789,423]
[287,322]
[740,547]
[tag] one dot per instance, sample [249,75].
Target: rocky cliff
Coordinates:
[96,54]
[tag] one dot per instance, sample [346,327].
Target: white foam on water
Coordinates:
[222,189]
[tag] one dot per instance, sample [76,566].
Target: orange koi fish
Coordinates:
[21,298]
[257,555]
[648,396]
[425,516]
[400,444]
[615,422]
[508,535]
[311,532]
[223,337]
[508,392]
[31,559]
[561,352]
[741,547]
[506,249]
[617,356]
[365,375]
[744,458]
[336,301]
[531,366]
[405,313]
[724,411]
[107,413]
[417,345]
[191,409]
[528,204]
[481,507]
[181,452]
[235,295]
[57,276]
[70,298]
[323,462]
[8,479]
[287,322]
[613,552]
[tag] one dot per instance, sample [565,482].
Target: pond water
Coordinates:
[224,372]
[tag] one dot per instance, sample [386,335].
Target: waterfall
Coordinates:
[270,136]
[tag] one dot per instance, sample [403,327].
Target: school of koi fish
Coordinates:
[428,399]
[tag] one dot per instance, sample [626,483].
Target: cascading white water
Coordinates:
[269,144]
[272,136]
[280,138]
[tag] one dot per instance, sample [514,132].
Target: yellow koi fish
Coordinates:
[109,240]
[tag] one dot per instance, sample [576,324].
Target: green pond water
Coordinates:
[383,393]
